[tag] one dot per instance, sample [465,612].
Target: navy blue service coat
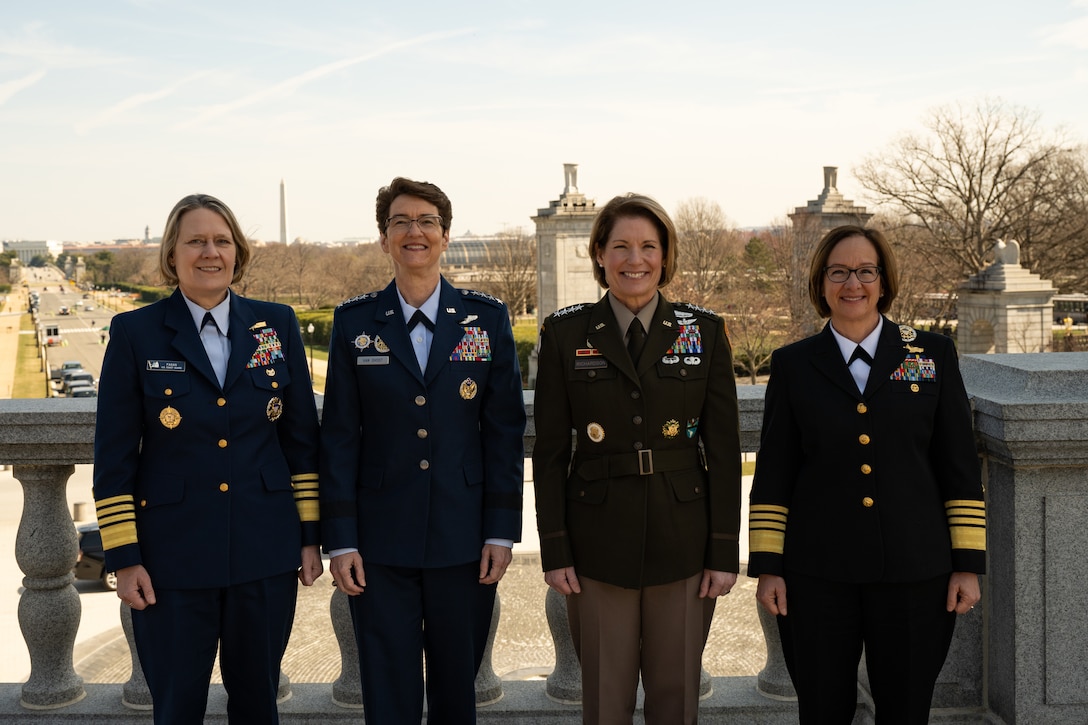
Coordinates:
[206,486]
[420,469]
[880,486]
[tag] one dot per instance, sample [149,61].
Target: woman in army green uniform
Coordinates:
[639,518]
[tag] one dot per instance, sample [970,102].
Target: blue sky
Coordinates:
[111,111]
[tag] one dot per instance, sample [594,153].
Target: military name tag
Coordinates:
[589,363]
[166,366]
[372,360]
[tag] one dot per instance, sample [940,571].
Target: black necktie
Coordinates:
[208,318]
[860,354]
[419,317]
[636,338]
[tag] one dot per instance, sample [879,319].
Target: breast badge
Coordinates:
[362,341]
[693,427]
[274,409]
[907,333]
[595,431]
[671,429]
[468,389]
[379,345]
[169,418]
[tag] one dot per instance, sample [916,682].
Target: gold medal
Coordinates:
[468,389]
[671,429]
[170,418]
[595,431]
[274,409]
[379,344]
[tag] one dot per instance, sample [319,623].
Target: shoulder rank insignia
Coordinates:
[481,295]
[568,310]
[357,298]
[693,308]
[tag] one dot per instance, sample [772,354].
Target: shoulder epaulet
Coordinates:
[566,311]
[907,333]
[687,306]
[476,294]
[357,299]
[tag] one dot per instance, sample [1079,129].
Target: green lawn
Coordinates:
[31,381]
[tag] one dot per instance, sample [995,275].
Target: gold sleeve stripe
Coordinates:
[305,486]
[120,518]
[119,534]
[966,503]
[125,501]
[968,537]
[767,528]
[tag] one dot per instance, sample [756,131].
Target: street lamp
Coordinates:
[310,331]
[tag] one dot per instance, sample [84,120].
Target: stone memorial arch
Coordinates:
[1005,308]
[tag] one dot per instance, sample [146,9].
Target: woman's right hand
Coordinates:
[134,587]
[564,580]
[771,593]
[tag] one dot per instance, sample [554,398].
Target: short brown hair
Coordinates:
[889,270]
[633,205]
[421,189]
[173,226]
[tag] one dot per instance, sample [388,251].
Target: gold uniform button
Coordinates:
[420,400]
[143,502]
[221,402]
[862,408]
[168,391]
[863,439]
[222,442]
[422,432]
[914,387]
[867,502]
[424,464]
[866,468]
[275,385]
[223,487]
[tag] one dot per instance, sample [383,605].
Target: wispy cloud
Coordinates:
[1073,33]
[133,102]
[289,86]
[10,88]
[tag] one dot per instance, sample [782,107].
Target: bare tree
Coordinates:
[704,253]
[982,174]
[511,276]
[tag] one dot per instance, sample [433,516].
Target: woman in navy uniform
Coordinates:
[422,467]
[638,521]
[205,475]
[867,523]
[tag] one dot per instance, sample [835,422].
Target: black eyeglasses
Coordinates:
[865,275]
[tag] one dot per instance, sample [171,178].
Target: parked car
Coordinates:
[64,310]
[58,373]
[91,562]
[81,391]
[76,377]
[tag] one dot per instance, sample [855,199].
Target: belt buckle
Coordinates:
[645,462]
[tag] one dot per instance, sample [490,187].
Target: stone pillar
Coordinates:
[1031,415]
[488,684]
[347,690]
[134,693]
[46,548]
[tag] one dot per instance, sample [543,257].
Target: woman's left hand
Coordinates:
[311,568]
[716,583]
[963,592]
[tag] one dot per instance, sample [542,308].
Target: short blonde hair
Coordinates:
[173,225]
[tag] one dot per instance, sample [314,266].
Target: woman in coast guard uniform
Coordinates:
[205,475]
[867,524]
[639,521]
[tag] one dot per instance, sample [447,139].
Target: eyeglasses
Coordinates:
[865,275]
[428,224]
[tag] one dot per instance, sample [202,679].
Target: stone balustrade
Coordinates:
[1016,658]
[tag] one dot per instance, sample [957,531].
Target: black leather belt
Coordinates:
[643,462]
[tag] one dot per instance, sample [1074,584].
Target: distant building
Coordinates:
[26,251]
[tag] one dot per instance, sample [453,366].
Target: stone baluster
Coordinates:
[774,679]
[46,548]
[134,693]
[347,689]
[488,684]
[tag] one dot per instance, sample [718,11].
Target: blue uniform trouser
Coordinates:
[177,638]
[406,612]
